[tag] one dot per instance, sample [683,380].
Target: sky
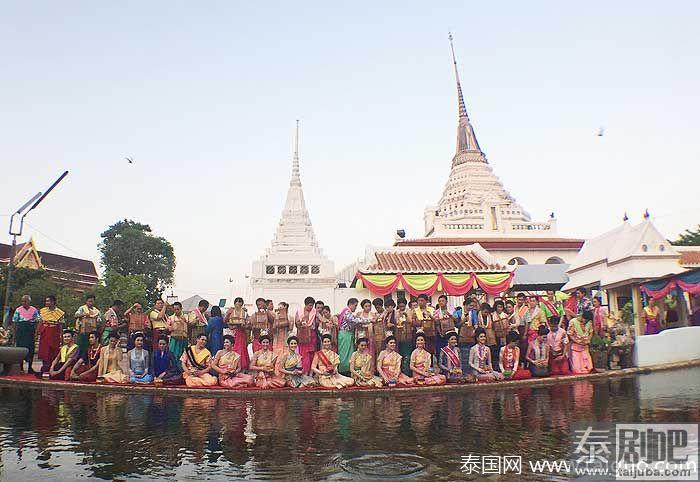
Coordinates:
[204,97]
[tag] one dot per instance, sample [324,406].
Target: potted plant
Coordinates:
[599,352]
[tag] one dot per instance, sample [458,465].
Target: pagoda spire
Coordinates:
[466,139]
[295,180]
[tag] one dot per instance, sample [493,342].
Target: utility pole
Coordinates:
[23,211]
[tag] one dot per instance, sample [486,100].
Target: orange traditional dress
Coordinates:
[109,367]
[280,331]
[266,379]
[327,361]
[423,360]
[236,320]
[230,362]
[362,370]
[580,337]
[194,360]
[389,363]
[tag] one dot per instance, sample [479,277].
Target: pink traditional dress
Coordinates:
[558,361]
[306,333]
[580,338]
[280,332]
[600,316]
[260,320]
[236,319]
[533,319]
[229,361]
[651,315]
[423,361]
[510,361]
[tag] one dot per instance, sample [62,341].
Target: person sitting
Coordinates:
[227,364]
[109,365]
[289,366]
[195,364]
[538,353]
[263,364]
[450,361]
[165,369]
[389,364]
[509,360]
[361,366]
[422,364]
[62,365]
[85,369]
[480,359]
[558,352]
[139,362]
[325,366]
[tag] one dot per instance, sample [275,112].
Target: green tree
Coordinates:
[130,249]
[115,286]
[689,238]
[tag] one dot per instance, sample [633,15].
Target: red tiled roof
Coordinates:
[455,261]
[689,258]
[83,269]
[496,243]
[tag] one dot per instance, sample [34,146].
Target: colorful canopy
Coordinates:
[418,284]
[688,282]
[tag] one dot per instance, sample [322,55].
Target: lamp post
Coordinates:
[23,211]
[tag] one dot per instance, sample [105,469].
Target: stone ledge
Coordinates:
[333,393]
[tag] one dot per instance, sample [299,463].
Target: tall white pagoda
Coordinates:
[476,208]
[294,266]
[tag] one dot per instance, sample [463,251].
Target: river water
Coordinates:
[62,435]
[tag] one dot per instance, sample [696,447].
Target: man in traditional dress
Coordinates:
[197,320]
[177,326]
[67,356]
[423,317]
[51,327]
[444,321]
[159,324]
[261,319]
[25,320]
[137,322]
[87,319]
[346,334]
[306,322]
[111,318]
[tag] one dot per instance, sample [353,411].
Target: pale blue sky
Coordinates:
[204,95]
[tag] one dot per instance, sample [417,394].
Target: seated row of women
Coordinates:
[197,366]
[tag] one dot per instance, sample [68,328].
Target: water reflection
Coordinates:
[110,435]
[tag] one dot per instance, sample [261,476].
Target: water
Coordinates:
[61,435]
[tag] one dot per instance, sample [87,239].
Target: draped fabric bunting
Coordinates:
[452,284]
[688,282]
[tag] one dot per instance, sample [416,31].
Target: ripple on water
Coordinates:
[385,465]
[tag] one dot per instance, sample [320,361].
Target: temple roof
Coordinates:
[465,259]
[496,243]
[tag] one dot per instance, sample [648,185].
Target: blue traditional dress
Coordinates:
[139,364]
[164,366]
[215,333]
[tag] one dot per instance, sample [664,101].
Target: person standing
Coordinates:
[197,320]
[86,320]
[177,325]
[51,325]
[215,330]
[158,319]
[305,321]
[237,320]
[557,342]
[386,321]
[111,319]
[261,320]
[347,321]
[580,334]
[652,318]
[404,336]
[137,322]
[423,316]
[444,321]
[25,320]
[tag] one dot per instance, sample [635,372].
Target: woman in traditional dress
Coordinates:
[165,369]
[444,316]
[558,352]
[450,361]
[139,362]
[500,322]
[86,320]
[538,354]
[389,365]
[263,364]
[509,360]
[290,368]
[362,366]
[365,323]
[280,328]
[325,366]
[52,320]
[600,317]
[25,319]
[422,364]
[580,333]
[652,317]
[327,323]
[177,325]
[226,364]
[346,334]
[215,330]
[85,369]
[404,335]
[486,322]
[109,367]
[62,365]
[480,359]
[237,320]
[195,363]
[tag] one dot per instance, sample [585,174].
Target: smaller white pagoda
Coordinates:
[294,266]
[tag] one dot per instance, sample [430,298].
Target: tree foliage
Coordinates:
[130,249]
[689,238]
[115,286]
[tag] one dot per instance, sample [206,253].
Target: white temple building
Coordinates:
[476,208]
[294,266]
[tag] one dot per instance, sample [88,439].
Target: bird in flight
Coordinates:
[600,132]
[130,159]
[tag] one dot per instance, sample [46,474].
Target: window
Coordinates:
[303,269]
[281,269]
[554,260]
[269,269]
[517,260]
[315,269]
[293,269]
